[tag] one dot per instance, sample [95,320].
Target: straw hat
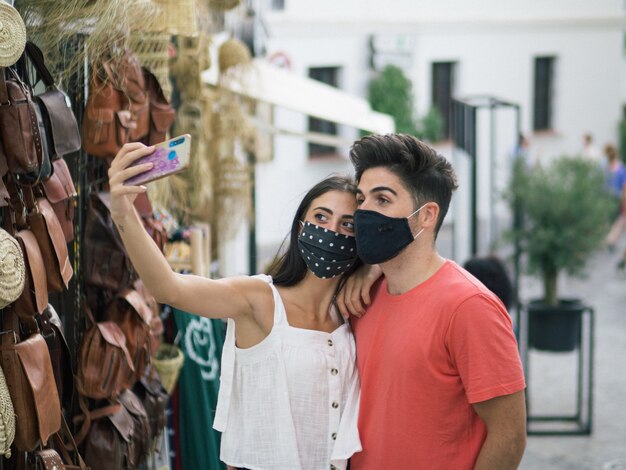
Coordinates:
[12,35]
[12,272]
[231,53]
[7,418]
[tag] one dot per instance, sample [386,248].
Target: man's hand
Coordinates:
[354,297]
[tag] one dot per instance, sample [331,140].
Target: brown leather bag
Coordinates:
[130,311]
[49,459]
[154,399]
[60,191]
[61,129]
[117,109]
[162,113]
[118,436]
[155,322]
[106,263]
[141,438]
[19,131]
[105,367]
[30,379]
[47,229]
[34,298]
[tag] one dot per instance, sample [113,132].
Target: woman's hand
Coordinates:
[122,196]
[354,298]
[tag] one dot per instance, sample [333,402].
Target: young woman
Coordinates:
[289,388]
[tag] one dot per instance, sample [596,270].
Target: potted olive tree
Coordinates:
[563,213]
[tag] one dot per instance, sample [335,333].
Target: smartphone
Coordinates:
[169,157]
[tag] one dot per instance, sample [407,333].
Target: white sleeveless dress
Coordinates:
[290,402]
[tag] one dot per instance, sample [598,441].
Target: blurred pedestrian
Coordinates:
[441,379]
[616,186]
[289,388]
[590,151]
[491,271]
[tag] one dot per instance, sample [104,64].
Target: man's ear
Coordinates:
[429,215]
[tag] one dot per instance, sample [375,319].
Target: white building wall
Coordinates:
[494,43]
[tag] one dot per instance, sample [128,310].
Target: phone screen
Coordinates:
[168,158]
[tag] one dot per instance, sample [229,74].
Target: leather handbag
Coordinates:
[61,129]
[109,442]
[34,298]
[155,228]
[50,459]
[46,227]
[30,380]
[154,399]
[60,191]
[130,311]
[117,109]
[107,265]
[155,322]
[60,356]
[105,366]
[162,113]
[19,130]
[141,433]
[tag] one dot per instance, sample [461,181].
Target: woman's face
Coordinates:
[333,210]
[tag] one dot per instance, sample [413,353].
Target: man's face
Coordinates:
[382,191]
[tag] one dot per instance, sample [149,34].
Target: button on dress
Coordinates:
[291,401]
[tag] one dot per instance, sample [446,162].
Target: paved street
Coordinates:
[551,383]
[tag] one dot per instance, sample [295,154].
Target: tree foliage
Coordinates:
[566,211]
[391,93]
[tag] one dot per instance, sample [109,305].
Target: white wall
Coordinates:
[494,43]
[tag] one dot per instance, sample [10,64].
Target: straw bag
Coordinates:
[13,33]
[168,362]
[12,270]
[177,17]
[7,418]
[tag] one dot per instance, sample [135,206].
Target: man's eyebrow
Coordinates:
[378,189]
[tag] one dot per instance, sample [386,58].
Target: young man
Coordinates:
[441,379]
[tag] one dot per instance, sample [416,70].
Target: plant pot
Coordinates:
[555,328]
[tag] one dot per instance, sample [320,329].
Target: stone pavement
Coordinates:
[552,376]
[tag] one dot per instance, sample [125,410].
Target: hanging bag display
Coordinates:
[130,311]
[61,128]
[107,265]
[30,381]
[19,130]
[46,227]
[61,194]
[117,109]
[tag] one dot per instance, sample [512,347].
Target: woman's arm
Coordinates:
[232,297]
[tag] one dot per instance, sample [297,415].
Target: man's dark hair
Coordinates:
[424,173]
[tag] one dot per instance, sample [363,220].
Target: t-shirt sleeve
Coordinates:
[483,349]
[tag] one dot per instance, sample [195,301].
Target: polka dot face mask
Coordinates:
[326,253]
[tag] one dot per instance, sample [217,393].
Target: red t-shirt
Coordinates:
[424,357]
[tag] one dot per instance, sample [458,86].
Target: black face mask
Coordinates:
[380,238]
[326,253]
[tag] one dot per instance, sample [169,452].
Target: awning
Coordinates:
[265,82]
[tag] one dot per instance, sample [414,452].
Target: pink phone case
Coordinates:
[169,157]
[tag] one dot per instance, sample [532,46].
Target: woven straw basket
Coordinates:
[152,51]
[168,361]
[7,418]
[177,17]
[12,269]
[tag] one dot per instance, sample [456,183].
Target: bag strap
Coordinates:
[36,57]
[4,93]
[66,442]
